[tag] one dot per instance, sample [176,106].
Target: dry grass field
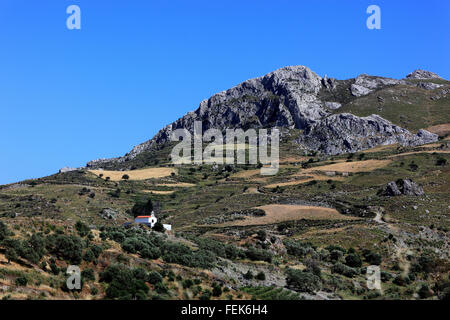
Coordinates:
[315,173]
[308,178]
[142,174]
[176,185]
[354,166]
[416,152]
[440,129]
[162,192]
[276,213]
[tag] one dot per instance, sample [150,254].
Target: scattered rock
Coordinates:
[108,213]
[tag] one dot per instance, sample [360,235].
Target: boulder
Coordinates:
[332,105]
[402,187]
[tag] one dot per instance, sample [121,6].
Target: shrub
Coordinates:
[89,256]
[347,271]
[261,235]
[303,281]
[4,233]
[261,276]
[150,253]
[154,277]
[206,295]
[258,255]
[298,248]
[217,290]
[88,275]
[21,281]
[248,275]
[115,193]
[67,247]
[125,177]
[401,280]
[158,227]
[424,291]
[372,257]
[11,255]
[82,229]
[188,283]
[441,162]
[122,283]
[313,267]
[353,260]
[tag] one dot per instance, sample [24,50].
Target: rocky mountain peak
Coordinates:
[289,97]
[422,74]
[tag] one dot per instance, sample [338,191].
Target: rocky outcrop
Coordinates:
[108,214]
[67,169]
[422,74]
[345,132]
[365,84]
[401,187]
[429,85]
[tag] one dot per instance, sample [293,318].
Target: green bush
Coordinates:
[21,281]
[353,260]
[298,248]
[217,290]
[188,283]
[4,232]
[261,276]
[82,229]
[303,281]
[347,271]
[154,277]
[67,247]
[248,275]
[88,275]
[122,283]
[372,258]
[258,255]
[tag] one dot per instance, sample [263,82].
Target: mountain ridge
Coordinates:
[292,97]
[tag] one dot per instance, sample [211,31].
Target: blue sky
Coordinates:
[70,96]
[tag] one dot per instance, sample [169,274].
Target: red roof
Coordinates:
[143,217]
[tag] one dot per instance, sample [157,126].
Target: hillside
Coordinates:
[360,183]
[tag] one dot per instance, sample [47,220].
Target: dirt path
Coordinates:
[401,249]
